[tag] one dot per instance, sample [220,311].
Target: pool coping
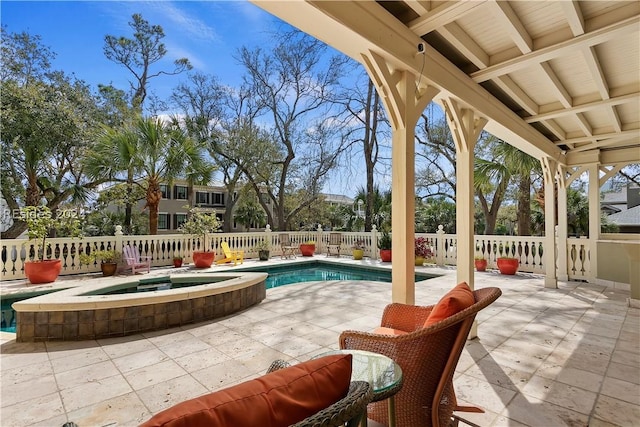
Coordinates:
[73,298]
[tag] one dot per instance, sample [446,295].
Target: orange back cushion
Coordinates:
[457,299]
[381,330]
[280,398]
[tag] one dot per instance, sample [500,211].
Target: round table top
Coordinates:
[381,372]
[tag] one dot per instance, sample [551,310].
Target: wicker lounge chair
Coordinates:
[348,411]
[428,357]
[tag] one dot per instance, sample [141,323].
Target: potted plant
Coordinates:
[263,249]
[177,261]
[308,248]
[480,263]
[40,222]
[200,223]
[507,265]
[384,244]
[108,260]
[358,249]
[422,250]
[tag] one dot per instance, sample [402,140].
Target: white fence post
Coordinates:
[440,252]
[118,242]
[319,241]
[267,231]
[374,242]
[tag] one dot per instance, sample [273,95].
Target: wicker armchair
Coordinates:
[428,357]
[348,411]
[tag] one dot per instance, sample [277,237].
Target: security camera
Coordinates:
[420,47]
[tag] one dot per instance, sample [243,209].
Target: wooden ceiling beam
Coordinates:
[465,44]
[619,100]
[593,38]
[573,13]
[508,19]
[441,15]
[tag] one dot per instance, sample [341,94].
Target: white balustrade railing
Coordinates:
[162,248]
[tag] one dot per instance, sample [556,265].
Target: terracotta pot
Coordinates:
[109,268]
[177,262]
[385,255]
[481,264]
[508,266]
[46,271]
[307,249]
[358,253]
[203,259]
[419,261]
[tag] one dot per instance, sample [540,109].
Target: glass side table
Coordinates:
[382,373]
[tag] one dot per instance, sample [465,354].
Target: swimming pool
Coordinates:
[321,271]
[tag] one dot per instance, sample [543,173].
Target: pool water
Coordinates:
[8,319]
[8,316]
[319,271]
[156,284]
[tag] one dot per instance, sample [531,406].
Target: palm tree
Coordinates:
[165,153]
[522,167]
[490,176]
[150,152]
[380,209]
[507,163]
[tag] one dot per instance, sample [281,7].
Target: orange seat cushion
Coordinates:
[381,330]
[457,299]
[280,398]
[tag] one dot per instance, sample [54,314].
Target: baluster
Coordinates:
[582,259]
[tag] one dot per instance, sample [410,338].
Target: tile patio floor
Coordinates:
[544,357]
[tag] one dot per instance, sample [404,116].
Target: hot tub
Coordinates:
[99,311]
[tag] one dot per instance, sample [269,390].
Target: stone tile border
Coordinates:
[73,315]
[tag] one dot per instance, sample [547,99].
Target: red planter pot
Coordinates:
[508,266]
[481,264]
[46,271]
[385,255]
[177,262]
[307,249]
[203,259]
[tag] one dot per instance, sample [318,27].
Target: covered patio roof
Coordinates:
[553,78]
[560,80]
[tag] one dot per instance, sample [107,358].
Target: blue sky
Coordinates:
[206,32]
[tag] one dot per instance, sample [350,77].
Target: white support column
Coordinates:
[594,219]
[549,173]
[465,127]
[562,231]
[404,102]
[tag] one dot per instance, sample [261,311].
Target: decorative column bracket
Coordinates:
[403,106]
[464,124]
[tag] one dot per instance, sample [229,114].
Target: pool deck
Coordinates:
[544,357]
